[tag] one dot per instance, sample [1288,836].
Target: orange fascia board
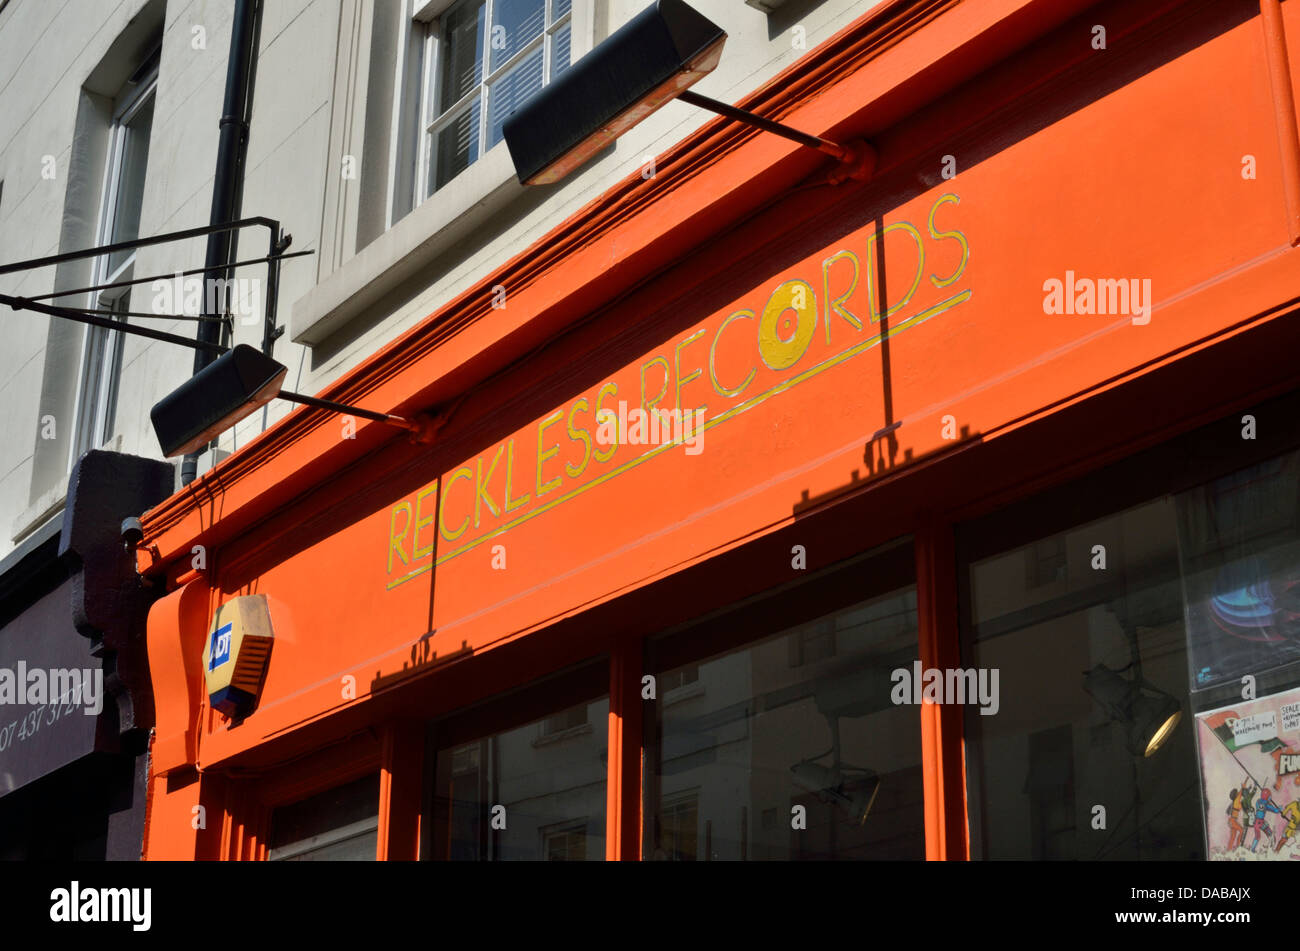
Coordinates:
[712,179]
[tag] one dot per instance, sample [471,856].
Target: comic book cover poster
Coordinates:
[1250,771]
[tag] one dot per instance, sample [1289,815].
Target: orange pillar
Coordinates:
[942,750]
[400,791]
[623,794]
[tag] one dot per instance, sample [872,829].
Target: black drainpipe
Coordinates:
[228,183]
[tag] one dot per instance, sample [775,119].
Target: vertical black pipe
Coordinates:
[228,182]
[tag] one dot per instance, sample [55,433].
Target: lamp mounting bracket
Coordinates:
[858,164]
[856,160]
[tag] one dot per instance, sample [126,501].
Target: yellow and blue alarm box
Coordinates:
[237,653]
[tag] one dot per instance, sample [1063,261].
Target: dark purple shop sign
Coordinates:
[51,692]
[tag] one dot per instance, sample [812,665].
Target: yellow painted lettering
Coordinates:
[578,434]
[713,358]
[512,504]
[677,366]
[421,523]
[955,235]
[663,390]
[835,305]
[544,487]
[872,292]
[394,539]
[612,390]
[464,472]
[482,496]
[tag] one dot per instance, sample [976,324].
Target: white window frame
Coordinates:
[418,85]
[566,828]
[101,352]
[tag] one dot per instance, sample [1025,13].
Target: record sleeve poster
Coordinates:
[1250,771]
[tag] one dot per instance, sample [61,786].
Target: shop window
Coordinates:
[779,762]
[499,794]
[341,824]
[1124,729]
[471,64]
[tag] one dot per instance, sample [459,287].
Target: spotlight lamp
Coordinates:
[1148,714]
[651,60]
[849,788]
[852,789]
[234,386]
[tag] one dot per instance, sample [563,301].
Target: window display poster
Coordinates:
[1250,776]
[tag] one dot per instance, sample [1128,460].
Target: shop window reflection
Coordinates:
[779,760]
[1054,774]
[535,791]
[1240,543]
[679,821]
[1239,540]
[340,824]
[566,842]
[1153,616]
[572,719]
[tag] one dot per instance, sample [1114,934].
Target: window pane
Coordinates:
[462,58]
[679,823]
[360,847]
[99,386]
[1092,663]
[759,737]
[111,371]
[1239,541]
[551,788]
[341,823]
[96,344]
[570,719]
[1240,544]
[560,50]
[559,8]
[566,845]
[512,91]
[514,24]
[132,160]
[456,146]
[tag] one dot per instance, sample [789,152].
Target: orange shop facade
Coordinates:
[773,518]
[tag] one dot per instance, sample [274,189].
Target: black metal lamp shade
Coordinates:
[214,399]
[661,51]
